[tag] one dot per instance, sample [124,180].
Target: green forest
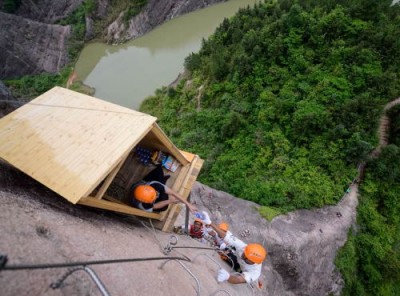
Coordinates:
[283,103]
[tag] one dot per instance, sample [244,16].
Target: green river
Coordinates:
[126,74]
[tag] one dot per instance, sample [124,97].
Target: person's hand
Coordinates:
[212,233]
[192,208]
[173,199]
[223,275]
[206,220]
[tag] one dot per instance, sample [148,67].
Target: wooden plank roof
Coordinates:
[70,141]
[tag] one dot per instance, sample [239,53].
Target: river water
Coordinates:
[127,74]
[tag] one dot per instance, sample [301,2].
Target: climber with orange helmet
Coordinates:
[152,194]
[250,256]
[217,240]
[226,252]
[196,229]
[224,226]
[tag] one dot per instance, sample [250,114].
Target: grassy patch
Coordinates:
[34,85]
[269,213]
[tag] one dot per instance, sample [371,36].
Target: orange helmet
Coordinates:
[145,193]
[224,226]
[198,220]
[255,253]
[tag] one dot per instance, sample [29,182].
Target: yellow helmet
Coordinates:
[145,193]
[255,253]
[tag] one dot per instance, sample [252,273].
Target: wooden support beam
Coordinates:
[169,145]
[110,198]
[179,182]
[186,185]
[176,187]
[116,207]
[110,178]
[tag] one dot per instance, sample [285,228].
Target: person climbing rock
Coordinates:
[152,194]
[249,256]
[196,230]
[226,252]
[218,241]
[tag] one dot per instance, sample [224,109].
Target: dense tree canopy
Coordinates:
[283,103]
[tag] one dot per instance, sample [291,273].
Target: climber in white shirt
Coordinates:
[249,256]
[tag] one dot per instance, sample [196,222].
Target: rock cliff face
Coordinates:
[29,47]
[7,103]
[47,11]
[32,42]
[155,13]
[301,245]
[5,94]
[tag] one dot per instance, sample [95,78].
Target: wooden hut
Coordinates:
[86,150]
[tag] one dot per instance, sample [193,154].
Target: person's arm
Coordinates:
[236,279]
[223,276]
[176,195]
[161,204]
[207,221]
[218,230]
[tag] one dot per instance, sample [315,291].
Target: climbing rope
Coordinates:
[188,271]
[89,271]
[82,266]
[153,230]
[172,242]
[207,256]
[84,263]
[220,290]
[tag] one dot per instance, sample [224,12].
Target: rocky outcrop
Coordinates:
[302,245]
[6,100]
[5,94]
[29,47]
[155,13]
[102,7]
[47,11]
